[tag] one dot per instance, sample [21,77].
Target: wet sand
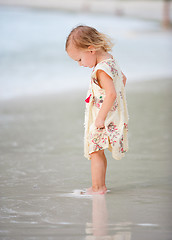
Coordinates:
[42,163]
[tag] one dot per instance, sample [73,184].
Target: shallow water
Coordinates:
[42,163]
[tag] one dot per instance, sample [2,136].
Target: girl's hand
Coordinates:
[99,123]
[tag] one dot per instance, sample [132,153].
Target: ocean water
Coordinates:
[33,58]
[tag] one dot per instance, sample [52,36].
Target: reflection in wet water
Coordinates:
[100,229]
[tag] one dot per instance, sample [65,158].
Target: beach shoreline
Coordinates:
[42,162]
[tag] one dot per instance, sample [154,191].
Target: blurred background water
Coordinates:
[42,105]
[33,59]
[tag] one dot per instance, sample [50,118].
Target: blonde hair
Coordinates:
[84,36]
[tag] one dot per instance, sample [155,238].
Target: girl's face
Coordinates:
[85,58]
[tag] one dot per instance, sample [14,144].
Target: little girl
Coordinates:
[106,115]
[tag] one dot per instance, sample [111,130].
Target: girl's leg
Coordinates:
[105,162]
[98,171]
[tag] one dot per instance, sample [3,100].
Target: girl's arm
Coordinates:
[105,82]
[124,79]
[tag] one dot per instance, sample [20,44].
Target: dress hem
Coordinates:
[103,148]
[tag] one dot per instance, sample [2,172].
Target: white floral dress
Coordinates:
[115,134]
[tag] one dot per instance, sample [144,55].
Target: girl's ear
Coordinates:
[92,49]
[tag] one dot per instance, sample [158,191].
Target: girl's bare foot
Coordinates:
[93,191]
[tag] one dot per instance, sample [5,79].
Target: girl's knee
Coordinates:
[97,153]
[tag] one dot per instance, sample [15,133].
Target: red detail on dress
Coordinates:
[87,100]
